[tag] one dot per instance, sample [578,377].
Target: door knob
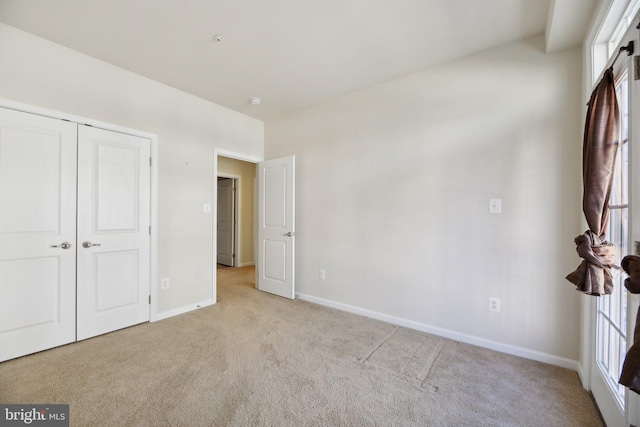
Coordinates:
[63,245]
[289,234]
[87,244]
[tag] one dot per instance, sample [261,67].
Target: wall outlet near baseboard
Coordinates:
[164,283]
[494,304]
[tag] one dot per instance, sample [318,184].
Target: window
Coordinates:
[618,17]
[621,28]
[611,317]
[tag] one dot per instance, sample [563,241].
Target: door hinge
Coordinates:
[149,230]
[149,299]
[150,161]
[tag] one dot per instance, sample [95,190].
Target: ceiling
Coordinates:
[290,53]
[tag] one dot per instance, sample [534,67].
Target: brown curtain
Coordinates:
[630,376]
[601,137]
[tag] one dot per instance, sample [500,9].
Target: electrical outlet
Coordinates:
[321,274]
[164,283]
[494,304]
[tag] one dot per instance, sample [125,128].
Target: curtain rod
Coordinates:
[629,48]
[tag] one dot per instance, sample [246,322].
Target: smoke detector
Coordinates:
[218,38]
[255,100]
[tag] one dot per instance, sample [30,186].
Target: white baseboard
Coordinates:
[447,333]
[181,310]
[245,264]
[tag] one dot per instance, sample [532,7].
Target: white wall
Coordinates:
[44,74]
[393,188]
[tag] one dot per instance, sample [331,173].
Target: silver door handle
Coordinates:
[63,245]
[289,234]
[87,244]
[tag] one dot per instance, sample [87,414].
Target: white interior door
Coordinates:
[276,226]
[113,231]
[226,221]
[614,315]
[38,233]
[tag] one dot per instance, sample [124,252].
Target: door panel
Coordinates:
[226,219]
[37,214]
[117,173]
[275,265]
[276,226]
[113,231]
[37,174]
[275,185]
[115,272]
[27,278]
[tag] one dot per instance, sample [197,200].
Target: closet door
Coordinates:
[37,233]
[113,231]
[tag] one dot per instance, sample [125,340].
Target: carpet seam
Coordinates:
[395,328]
[435,360]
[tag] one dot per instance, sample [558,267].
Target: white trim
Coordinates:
[246,264]
[447,333]
[589,45]
[587,336]
[236,155]
[153,138]
[583,375]
[153,277]
[182,310]
[26,108]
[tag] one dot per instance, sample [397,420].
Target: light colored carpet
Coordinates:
[255,359]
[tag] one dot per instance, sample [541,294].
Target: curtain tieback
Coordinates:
[593,275]
[595,251]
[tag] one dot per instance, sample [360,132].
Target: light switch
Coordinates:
[495,206]
[207,208]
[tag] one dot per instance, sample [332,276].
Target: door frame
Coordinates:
[236,206]
[153,138]
[594,54]
[218,152]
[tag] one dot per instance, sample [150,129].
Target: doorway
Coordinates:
[236,184]
[227,224]
[273,222]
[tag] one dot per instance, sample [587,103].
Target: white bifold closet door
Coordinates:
[113,231]
[74,232]
[37,233]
